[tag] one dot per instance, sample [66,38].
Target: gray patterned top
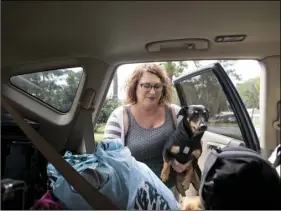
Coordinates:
[146,144]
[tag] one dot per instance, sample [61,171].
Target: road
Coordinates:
[231,131]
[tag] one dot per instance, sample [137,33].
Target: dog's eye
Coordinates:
[196,113]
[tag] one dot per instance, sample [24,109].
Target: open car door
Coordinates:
[229,123]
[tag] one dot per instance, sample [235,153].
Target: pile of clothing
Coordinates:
[128,183]
[233,178]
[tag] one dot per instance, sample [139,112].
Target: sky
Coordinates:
[247,69]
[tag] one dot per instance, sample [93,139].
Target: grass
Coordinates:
[98,137]
[98,132]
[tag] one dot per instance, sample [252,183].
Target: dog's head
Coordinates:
[195,117]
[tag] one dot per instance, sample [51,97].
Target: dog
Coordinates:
[191,203]
[184,145]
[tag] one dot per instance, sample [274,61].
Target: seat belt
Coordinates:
[94,198]
[277,161]
[86,114]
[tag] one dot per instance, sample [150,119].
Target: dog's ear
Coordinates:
[183,111]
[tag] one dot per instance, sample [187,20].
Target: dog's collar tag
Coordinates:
[186,150]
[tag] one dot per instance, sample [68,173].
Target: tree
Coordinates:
[250,93]
[68,91]
[56,88]
[208,89]
[228,66]
[109,105]
[174,68]
[205,89]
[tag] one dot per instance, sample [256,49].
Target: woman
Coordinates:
[147,119]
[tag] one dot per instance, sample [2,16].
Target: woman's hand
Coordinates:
[178,167]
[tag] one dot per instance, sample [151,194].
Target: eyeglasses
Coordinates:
[147,87]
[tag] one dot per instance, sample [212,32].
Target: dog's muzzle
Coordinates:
[202,127]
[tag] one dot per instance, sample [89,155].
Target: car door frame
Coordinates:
[243,118]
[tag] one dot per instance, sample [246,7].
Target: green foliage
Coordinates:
[99,128]
[228,66]
[109,105]
[174,68]
[250,92]
[205,89]
[49,87]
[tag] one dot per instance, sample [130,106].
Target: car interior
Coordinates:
[95,38]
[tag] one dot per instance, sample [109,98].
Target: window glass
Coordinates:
[245,75]
[56,88]
[206,90]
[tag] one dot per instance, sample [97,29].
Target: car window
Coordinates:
[245,75]
[205,89]
[57,88]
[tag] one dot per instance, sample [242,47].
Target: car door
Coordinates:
[229,123]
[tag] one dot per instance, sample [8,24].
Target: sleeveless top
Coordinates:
[146,144]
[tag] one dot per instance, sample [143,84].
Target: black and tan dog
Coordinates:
[185,146]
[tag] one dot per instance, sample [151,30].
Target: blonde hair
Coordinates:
[158,70]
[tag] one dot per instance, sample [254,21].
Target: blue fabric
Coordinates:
[130,185]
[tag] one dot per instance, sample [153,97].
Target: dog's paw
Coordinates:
[185,183]
[164,176]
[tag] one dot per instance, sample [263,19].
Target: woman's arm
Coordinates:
[113,127]
[176,108]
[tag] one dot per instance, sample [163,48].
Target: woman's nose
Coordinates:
[152,90]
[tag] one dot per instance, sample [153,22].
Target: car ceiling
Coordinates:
[117,32]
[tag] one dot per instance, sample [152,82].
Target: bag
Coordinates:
[115,173]
[239,178]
